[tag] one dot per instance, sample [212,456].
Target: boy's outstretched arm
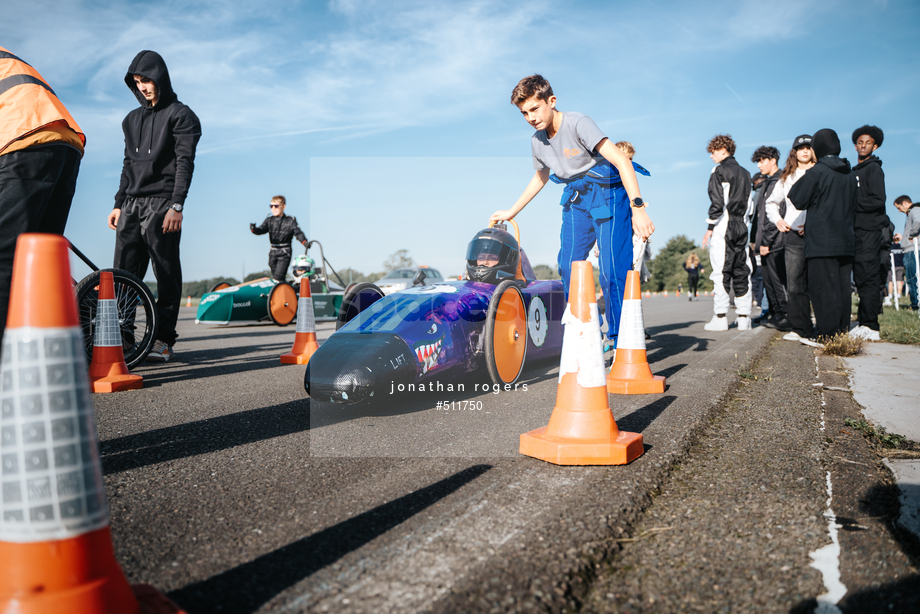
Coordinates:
[642,223]
[533,188]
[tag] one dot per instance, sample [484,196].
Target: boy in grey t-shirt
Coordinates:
[601,202]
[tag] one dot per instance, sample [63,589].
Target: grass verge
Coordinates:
[899,326]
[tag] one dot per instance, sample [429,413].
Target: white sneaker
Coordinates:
[160,353]
[717,323]
[793,336]
[811,342]
[887,301]
[864,332]
[744,323]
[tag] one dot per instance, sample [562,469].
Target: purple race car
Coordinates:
[500,317]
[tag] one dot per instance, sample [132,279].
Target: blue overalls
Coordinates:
[595,209]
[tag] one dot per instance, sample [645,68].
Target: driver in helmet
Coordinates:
[492,256]
[303,265]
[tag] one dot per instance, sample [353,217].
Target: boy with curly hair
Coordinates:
[727,236]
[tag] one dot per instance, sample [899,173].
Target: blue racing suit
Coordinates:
[595,209]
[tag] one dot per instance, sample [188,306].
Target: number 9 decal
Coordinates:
[536,321]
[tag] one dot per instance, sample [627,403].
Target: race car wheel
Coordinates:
[357,298]
[137,314]
[282,304]
[219,286]
[506,334]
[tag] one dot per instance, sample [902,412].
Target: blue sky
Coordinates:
[387,124]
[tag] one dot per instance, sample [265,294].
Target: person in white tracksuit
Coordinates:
[727,236]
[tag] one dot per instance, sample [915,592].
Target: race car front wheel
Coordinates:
[282,304]
[219,286]
[137,314]
[357,298]
[506,334]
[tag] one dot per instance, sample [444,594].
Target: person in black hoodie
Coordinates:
[827,192]
[871,221]
[769,241]
[729,192]
[160,141]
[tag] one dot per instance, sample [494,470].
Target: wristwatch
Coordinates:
[177,207]
[637,202]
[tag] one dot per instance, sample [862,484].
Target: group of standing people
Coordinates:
[809,265]
[41,146]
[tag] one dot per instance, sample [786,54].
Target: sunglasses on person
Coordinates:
[275,205]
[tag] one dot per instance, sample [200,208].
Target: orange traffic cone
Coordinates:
[630,373]
[582,430]
[305,337]
[108,371]
[188,303]
[56,550]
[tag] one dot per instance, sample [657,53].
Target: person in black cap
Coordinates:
[871,221]
[791,222]
[828,193]
[769,243]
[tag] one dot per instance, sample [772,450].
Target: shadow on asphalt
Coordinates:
[900,596]
[204,436]
[247,587]
[642,418]
[196,370]
[671,345]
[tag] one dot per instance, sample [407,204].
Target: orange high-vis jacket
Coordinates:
[27,102]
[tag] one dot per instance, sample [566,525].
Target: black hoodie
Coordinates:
[870,195]
[160,140]
[828,192]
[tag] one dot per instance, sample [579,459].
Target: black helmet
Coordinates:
[492,256]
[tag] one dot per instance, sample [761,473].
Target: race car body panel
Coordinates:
[248,302]
[425,334]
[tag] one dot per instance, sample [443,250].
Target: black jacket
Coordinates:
[280,230]
[768,235]
[870,195]
[828,192]
[160,140]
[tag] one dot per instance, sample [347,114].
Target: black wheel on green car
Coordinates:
[137,314]
[282,304]
[357,298]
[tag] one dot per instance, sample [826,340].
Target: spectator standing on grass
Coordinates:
[896,276]
[911,230]
[871,220]
[769,242]
[729,194]
[791,222]
[160,140]
[828,193]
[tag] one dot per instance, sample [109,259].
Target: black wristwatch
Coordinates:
[176,207]
[637,202]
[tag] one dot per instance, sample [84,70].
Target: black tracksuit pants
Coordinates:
[279,259]
[773,270]
[867,276]
[829,289]
[798,307]
[140,241]
[37,185]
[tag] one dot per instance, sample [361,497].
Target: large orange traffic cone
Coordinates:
[108,371]
[630,373]
[56,550]
[305,337]
[582,430]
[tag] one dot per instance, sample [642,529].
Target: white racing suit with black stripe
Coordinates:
[729,254]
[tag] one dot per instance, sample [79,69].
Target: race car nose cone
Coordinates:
[355,367]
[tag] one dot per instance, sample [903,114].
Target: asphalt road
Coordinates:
[231,493]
